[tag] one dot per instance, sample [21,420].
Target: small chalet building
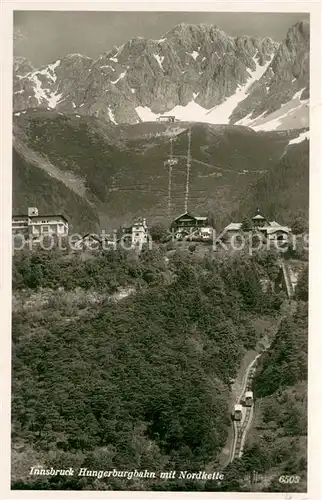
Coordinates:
[188,225]
[34,226]
[270,230]
[166,119]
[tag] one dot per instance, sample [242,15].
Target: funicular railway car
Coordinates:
[249,398]
[238,412]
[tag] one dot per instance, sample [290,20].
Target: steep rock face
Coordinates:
[287,75]
[189,63]
[61,81]
[21,66]
[195,70]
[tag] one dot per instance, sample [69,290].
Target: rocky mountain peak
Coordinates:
[298,33]
[21,66]
[193,67]
[286,82]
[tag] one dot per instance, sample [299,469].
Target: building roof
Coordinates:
[233,226]
[248,394]
[47,215]
[40,216]
[238,407]
[186,213]
[284,229]
[258,217]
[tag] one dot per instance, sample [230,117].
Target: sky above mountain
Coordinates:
[43,36]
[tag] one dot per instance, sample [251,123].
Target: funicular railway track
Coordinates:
[241,426]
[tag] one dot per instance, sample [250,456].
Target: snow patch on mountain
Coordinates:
[159,59]
[145,114]
[52,67]
[122,75]
[193,54]
[111,115]
[107,66]
[300,138]
[53,99]
[40,94]
[76,54]
[298,94]
[294,112]
[221,113]
[218,114]
[191,112]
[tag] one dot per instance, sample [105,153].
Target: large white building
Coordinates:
[35,226]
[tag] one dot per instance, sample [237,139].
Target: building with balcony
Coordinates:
[191,226]
[34,226]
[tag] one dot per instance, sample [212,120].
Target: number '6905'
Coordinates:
[289,479]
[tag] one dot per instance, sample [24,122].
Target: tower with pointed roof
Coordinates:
[259,220]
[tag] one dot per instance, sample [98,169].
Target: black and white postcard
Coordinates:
[159,229]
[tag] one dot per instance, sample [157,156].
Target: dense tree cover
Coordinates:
[142,383]
[106,270]
[302,288]
[247,224]
[159,233]
[283,192]
[287,409]
[285,363]
[299,225]
[278,443]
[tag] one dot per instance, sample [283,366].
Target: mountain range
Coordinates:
[195,72]
[86,141]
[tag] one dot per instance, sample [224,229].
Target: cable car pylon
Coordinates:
[188,171]
[170,162]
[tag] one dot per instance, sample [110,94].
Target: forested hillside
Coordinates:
[278,442]
[122,169]
[139,383]
[283,191]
